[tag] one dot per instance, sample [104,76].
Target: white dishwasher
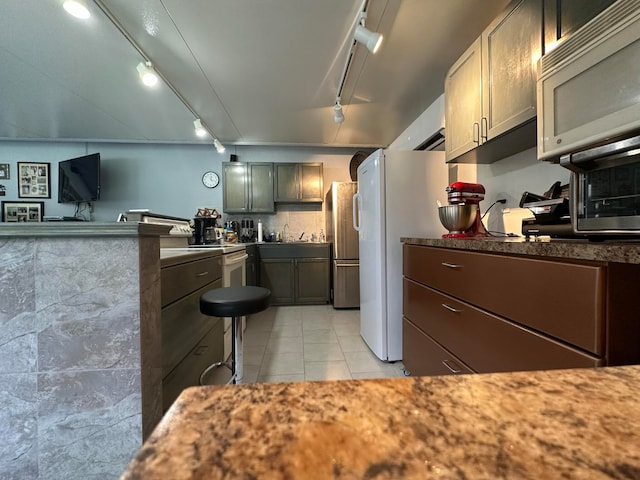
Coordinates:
[234,259]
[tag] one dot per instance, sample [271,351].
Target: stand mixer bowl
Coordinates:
[459,217]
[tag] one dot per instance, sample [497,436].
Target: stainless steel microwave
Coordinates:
[588,88]
[605,188]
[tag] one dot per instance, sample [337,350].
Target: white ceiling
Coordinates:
[257,72]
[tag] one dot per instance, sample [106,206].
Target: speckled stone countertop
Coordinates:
[620,251]
[581,423]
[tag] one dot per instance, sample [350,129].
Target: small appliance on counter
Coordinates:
[204,226]
[551,213]
[462,216]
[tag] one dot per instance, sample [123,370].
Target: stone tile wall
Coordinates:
[80,377]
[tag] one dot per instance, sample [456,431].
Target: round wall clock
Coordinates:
[210,179]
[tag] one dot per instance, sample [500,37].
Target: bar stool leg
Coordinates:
[237,349]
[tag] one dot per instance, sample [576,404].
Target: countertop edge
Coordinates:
[82,229]
[618,252]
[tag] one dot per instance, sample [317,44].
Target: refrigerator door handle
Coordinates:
[356,212]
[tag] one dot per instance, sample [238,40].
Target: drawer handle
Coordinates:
[451,309]
[203,274]
[450,265]
[454,369]
[200,350]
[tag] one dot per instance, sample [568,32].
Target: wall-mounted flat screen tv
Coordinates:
[79,179]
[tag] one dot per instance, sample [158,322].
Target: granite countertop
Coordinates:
[580,423]
[609,251]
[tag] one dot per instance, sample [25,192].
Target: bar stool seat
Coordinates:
[234,302]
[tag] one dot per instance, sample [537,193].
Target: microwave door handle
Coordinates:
[588,159]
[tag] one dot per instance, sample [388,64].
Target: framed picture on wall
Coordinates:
[34,180]
[4,171]
[15,212]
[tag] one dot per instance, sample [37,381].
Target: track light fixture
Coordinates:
[200,130]
[77,8]
[338,116]
[147,74]
[371,40]
[219,147]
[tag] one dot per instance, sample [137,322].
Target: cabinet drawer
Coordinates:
[423,356]
[565,300]
[183,326]
[187,372]
[180,280]
[484,341]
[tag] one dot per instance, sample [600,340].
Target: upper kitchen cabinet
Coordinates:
[298,182]
[247,187]
[563,17]
[491,89]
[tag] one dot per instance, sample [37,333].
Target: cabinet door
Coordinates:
[286,182]
[311,184]
[563,17]
[235,187]
[278,275]
[511,47]
[312,280]
[187,374]
[261,188]
[463,102]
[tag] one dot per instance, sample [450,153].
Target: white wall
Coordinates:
[166,178]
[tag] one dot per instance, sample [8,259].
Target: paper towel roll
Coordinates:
[259,231]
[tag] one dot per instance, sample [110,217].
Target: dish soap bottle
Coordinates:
[322,238]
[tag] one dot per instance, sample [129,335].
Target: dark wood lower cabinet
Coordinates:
[423,356]
[191,341]
[296,274]
[473,312]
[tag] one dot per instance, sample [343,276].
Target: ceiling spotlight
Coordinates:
[147,74]
[77,8]
[338,116]
[371,40]
[219,147]
[200,130]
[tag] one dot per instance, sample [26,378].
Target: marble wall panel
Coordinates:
[90,423]
[17,306]
[18,427]
[87,296]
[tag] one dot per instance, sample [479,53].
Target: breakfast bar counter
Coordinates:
[577,423]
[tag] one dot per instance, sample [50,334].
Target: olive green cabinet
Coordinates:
[247,187]
[298,182]
[491,88]
[296,274]
[191,341]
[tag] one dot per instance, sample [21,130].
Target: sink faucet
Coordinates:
[301,235]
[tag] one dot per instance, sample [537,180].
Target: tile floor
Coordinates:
[289,344]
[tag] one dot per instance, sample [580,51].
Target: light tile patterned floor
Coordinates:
[290,344]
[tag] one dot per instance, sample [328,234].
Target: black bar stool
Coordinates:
[234,302]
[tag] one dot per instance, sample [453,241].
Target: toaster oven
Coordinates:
[605,188]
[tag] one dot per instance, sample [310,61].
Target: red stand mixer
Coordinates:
[462,216]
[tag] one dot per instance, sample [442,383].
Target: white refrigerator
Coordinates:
[397,197]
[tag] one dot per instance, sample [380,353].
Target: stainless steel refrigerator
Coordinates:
[345,285]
